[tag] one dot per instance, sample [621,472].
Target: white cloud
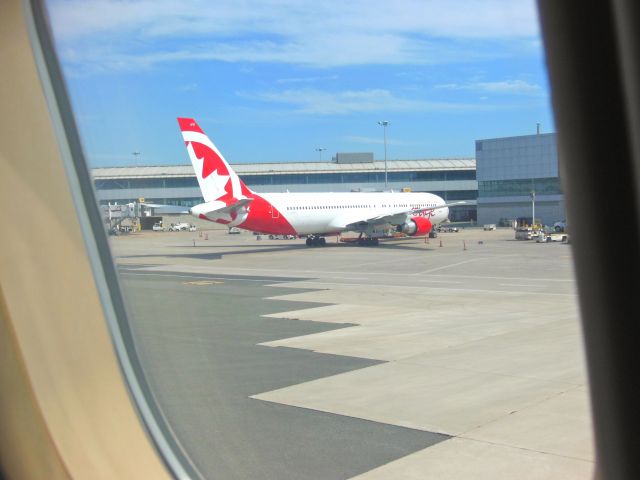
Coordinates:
[310,101]
[307,79]
[291,18]
[518,87]
[337,51]
[319,34]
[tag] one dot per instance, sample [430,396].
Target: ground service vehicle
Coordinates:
[179,227]
[550,237]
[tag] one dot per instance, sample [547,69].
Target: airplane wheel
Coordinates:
[308,242]
[323,241]
[374,242]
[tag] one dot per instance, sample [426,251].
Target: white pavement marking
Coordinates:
[450,289]
[449,266]
[209,277]
[492,277]
[274,272]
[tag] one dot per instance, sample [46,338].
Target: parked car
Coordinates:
[179,227]
[234,230]
[282,237]
[157,227]
[192,228]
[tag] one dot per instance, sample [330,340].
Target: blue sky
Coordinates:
[272,81]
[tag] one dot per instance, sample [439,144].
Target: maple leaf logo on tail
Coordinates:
[216,178]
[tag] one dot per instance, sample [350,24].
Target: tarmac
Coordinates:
[454,357]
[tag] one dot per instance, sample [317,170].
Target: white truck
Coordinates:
[544,237]
[179,227]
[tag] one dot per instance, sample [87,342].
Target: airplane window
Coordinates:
[261,357]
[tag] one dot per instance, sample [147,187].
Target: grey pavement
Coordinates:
[308,355]
[198,341]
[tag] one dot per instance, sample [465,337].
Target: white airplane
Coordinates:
[315,215]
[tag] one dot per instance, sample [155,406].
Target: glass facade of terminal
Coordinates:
[357,177]
[519,187]
[509,170]
[292,179]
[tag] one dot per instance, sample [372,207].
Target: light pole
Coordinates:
[383,124]
[135,158]
[320,150]
[533,207]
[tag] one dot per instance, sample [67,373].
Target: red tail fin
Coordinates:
[216,178]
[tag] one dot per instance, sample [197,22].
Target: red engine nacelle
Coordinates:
[417,226]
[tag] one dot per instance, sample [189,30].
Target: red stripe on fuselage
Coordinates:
[265,218]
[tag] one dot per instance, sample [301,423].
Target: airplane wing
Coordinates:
[437,207]
[393,217]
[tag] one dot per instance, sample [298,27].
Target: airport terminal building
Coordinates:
[496,186]
[517,176]
[454,179]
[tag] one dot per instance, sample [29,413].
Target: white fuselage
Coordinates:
[322,213]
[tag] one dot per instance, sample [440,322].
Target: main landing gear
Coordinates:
[314,241]
[367,241]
